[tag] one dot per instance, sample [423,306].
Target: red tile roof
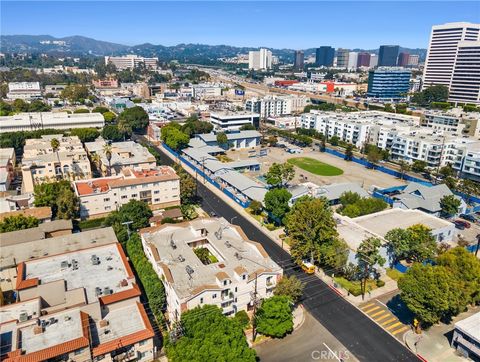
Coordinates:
[125,261]
[89,187]
[23,283]
[125,294]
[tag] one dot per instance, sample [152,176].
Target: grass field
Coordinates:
[315,167]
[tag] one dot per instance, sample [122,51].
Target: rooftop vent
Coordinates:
[181,258]
[95,260]
[107,291]
[189,270]
[227,244]
[23,317]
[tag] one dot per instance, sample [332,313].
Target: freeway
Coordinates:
[359,334]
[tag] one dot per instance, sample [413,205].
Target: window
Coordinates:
[201,300]
[236,289]
[142,343]
[78,351]
[244,276]
[124,197]
[108,207]
[156,200]
[224,282]
[214,296]
[134,195]
[106,200]
[156,192]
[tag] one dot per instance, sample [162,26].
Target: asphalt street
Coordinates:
[359,334]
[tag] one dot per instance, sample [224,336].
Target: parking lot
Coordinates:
[352,172]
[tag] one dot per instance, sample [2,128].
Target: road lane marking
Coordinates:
[368,306]
[390,327]
[404,328]
[383,317]
[331,351]
[371,309]
[378,313]
[389,321]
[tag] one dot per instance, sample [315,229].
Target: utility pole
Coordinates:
[254,302]
[127,223]
[478,244]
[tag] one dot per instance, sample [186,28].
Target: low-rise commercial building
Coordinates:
[126,154]
[206,90]
[24,90]
[158,187]
[466,337]
[131,61]
[41,163]
[235,266]
[388,83]
[236,140]
[233,121]
[54,120]
[289,122]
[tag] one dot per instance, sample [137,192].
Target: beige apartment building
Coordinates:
[124,154]
[236,265]
[159,187]
[77,301]
[41,163]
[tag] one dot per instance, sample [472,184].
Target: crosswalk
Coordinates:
[382,315]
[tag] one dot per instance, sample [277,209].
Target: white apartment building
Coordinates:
[352,60]
[443,51]
[206,90]
[260,59]
[158,187]
[54,120]
[41,163]
[126,154]
[236,264]
[24,90]
[442,122]
[465,84]
[373,60]
[233,121]
[131,61]
[273,106]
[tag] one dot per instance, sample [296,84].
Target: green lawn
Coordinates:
[315,167]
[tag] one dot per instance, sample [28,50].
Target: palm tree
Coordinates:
[107,150]
[55,144]
[404,167]
[124,128]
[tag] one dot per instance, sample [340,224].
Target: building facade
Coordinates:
[24,90]
[298,59]
[387,55]
[403,59]
[324,56]
[270,106]
[233,121]
[131,61]
[342,58]
[363,60]
[388,83]
[235,266]
[260,59]
[465,83]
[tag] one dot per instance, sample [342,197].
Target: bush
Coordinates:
[242,319]
[91,223]
[380,283]
[274,317]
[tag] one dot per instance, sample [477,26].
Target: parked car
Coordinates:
[466,224]
[459,225]
[470,218]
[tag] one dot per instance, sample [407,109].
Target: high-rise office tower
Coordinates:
[443,50]
[324,56]
[388,83]
[363,60]
[403,59]
[298,59]
[373,60]
[413,60]
[387,55]
[465,83]
[352,60]
[342,58]
[260,60]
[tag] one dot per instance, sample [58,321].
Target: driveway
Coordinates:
[311,342]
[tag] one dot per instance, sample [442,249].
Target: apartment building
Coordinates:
[131,61]
[126,154]
[41,163]
[443,50]
[233,121]
[235,265]
[273,106]
[24,90]
[158,187]
[206,90]
[260,60]
[7,166]
[442,121]
[54,120]
[81,303]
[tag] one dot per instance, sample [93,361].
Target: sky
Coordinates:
[284,24]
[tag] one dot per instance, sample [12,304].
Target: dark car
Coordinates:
[470,218]
[459,225]
[465,224]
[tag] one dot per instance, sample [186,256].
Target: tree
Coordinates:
[276,202]
[55,144]
[465,267]
[135,117]
[188,185]
[18,222]
[279,174]
[374,156]
[415,243]
[112,133]
[107,151]
[68,204]
[419,166]
[310,224]
[290,287]
[38,106]
[100,109]
[241,317]
[431,293]
[247,127]
[173,137]
[349,153]
[85,134]
[404,168]
[368,256]
[75,93]
[81,110]
[274,318]
[256,207]
[208,335]
[135,211]
[124,127]
[203,254]
[222,139]
[334,140]
[449,205]
[353,205]
[435,93]
[349,197]
[447,171]
[109,117]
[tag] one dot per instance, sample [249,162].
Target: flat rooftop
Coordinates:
[16,252]
[470,326]
[384,221]
[123,153]
[226,242]
[67,326]
[112,272]
[11,312]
